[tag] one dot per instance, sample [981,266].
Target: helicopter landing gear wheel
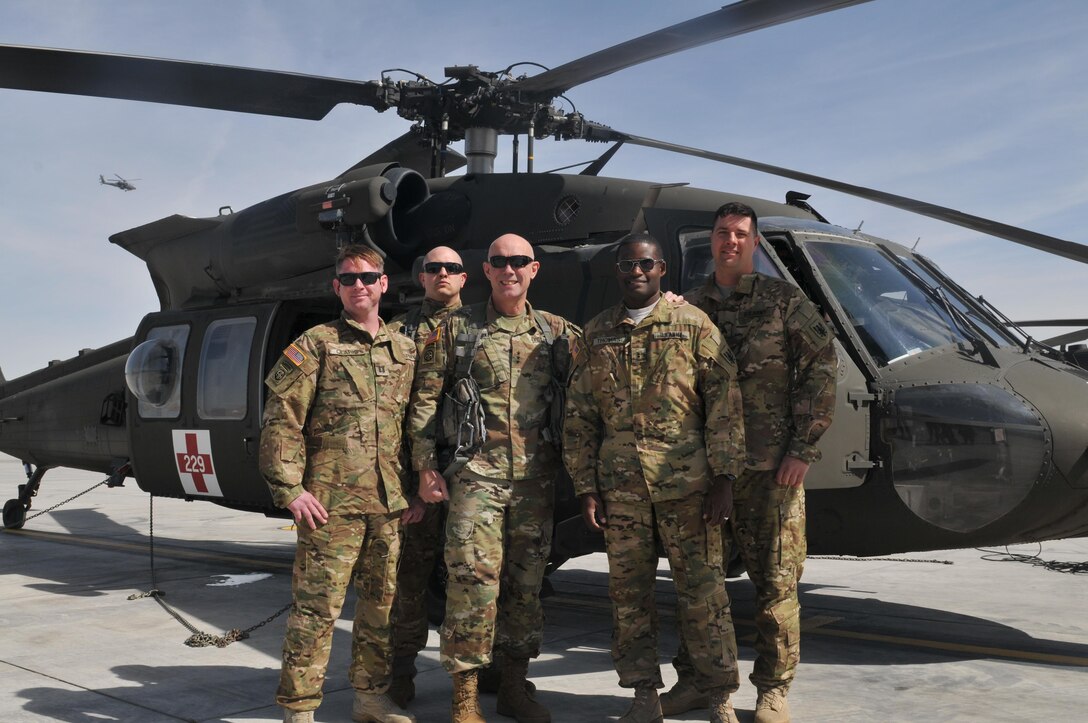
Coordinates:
[14,514]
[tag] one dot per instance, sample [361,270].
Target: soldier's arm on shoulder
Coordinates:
[581,428]
[292,385]
[434,363]
[813,377]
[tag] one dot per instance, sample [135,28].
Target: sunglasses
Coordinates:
[518,262]
[646,265]
[433,267]
[367,277]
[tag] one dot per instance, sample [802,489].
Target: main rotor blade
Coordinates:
[178,82]
[732,20]
[1042,242]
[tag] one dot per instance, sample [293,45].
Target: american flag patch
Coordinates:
[433,337]
[295,355]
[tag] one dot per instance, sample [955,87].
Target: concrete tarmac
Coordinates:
[885,639]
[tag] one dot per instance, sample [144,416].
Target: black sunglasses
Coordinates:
[518,262]
[628,265]
[433,267]
[367,277]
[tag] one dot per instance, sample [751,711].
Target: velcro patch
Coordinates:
[295,354]
[672,334]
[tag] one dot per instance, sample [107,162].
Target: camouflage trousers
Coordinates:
[694,552]
[423,542]
[362,549]
[498,538]
[768,530]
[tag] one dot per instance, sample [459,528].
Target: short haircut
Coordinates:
[358,251]
[736,208]
[640,237]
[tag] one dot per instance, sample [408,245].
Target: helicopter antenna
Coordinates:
[860,224]
[916,241]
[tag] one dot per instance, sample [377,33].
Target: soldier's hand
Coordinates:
[415,511]
[432,488]
[674,298]
[718,503]
[307,508]
[792,471]
[593,511]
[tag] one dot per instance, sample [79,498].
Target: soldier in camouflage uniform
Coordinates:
[499,525]
[787,366]
[330,451]
[653,438]
[442,278]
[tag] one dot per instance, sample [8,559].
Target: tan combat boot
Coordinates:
[402,690]
[515,700]
[646,708]
[682,697]
[465,707]
[771,707]
[377,708]
[298,716]
[721,708]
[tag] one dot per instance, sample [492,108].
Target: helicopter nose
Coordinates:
[964,455]
[1060,392]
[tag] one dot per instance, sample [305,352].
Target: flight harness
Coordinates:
[462,412]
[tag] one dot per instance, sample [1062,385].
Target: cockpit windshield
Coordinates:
[894,314]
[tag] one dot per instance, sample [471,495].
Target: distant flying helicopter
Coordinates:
[123,184]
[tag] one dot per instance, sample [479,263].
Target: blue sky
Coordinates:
[977,105]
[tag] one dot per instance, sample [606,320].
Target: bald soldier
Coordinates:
[442,277]
[787,367]
[503,363]
[330,452]
[653,439]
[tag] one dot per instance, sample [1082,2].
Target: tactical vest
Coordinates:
[462,412]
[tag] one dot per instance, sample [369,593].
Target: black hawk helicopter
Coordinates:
[953,427]
[118,182]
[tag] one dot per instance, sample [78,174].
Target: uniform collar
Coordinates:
[744,286]
[513,324]
[618,316]
[432,308]
[382,335]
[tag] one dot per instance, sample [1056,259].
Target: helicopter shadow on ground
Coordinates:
[841,630]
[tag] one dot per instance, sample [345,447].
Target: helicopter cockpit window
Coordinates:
[153,372]
[698,262]
[894,315]
[223,383]
[988,326]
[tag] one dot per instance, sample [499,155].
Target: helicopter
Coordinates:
[953,427]
[118,182]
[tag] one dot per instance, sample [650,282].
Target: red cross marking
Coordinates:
[192,462]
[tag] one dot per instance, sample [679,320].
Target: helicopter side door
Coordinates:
[195,420]
[846,445]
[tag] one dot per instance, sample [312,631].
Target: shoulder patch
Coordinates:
[295,354]
[284,374]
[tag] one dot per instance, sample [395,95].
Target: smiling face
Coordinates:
[640,288]
[733,244]
[360,300]
[442,287]
[510,285]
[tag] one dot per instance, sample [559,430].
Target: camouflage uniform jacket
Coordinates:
[418,324]
[785,361]
[658,401]
[425,320]
[334,415]
[513,367]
